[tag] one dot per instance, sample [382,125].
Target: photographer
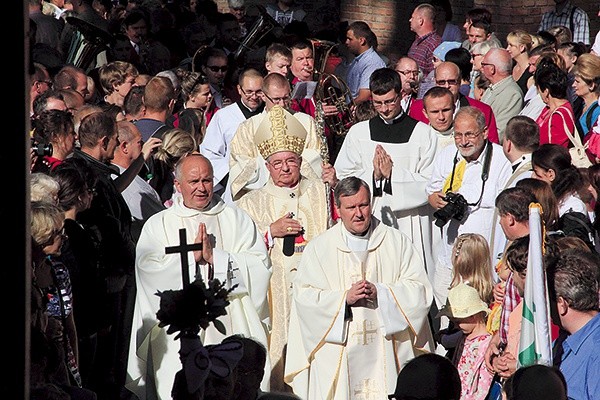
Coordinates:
[463,187]
[53,139]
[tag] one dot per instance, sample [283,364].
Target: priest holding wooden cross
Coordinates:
[226,246]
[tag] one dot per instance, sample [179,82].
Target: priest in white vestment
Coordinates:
[394,154]
[225,122]
[247,169]
[361,299]
[290,210]
[232,251]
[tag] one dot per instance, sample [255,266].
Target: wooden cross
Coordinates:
[183,249]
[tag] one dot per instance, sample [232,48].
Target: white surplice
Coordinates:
[406,209]
[153,355]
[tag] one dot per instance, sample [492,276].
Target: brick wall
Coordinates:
[389,18]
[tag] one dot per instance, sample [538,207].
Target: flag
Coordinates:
[535,346]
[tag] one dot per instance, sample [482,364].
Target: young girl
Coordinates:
[471,264]
[468,312]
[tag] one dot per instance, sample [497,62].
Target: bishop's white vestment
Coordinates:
[239,257]
[308,203]
[334,355]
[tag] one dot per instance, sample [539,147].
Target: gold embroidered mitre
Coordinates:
[279,131]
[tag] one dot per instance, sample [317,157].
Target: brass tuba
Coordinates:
[86,43]
[331,90]
[261,27]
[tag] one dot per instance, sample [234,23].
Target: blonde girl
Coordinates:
[471,264]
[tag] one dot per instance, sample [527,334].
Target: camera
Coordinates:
[456,208]
[41,149]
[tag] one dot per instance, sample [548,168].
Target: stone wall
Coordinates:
[389,18]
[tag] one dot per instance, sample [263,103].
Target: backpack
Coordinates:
[577,224]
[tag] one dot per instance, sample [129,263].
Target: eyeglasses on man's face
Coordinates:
[290,162]
[217,68]
[380,104]
[250,93]
[446,82]
[276,100]
[467,135]
[483,64]
[408,72]
[473,55]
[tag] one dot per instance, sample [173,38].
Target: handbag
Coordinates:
[578,153]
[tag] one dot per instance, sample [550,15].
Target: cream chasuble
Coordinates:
[247,170]
[238,246]
[330,356]
[307,202]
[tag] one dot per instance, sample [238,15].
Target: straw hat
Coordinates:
[279,131]
[463,301]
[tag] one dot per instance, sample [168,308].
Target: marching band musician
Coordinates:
[303,70]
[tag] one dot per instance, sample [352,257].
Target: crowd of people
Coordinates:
[368,214]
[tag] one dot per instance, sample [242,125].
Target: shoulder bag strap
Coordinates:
[575,139]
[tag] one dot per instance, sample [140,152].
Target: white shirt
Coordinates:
[479,217]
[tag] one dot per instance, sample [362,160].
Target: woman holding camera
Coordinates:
[53,139]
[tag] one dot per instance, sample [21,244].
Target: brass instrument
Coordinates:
[332,90]
[87,42]
[263,25]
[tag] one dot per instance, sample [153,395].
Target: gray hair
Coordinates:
[484,47]
[349,186]
[236,3]
[474,113]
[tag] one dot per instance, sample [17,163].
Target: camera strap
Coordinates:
[485,172]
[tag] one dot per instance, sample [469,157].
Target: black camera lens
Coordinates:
[42,149]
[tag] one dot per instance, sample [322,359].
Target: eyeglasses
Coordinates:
[276,100]
[290,162]
[408,72]
[484,64]
[251,93]
[379,104]
[449,82]
[466,135]
[473,55]
[217,68]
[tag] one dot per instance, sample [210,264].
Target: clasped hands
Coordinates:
[382,164]
[361,290]
[204,256]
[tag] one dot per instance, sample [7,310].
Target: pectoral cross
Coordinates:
[366,390]
[365,335]
[183,249]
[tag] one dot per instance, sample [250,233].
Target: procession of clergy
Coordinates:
[331,263]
